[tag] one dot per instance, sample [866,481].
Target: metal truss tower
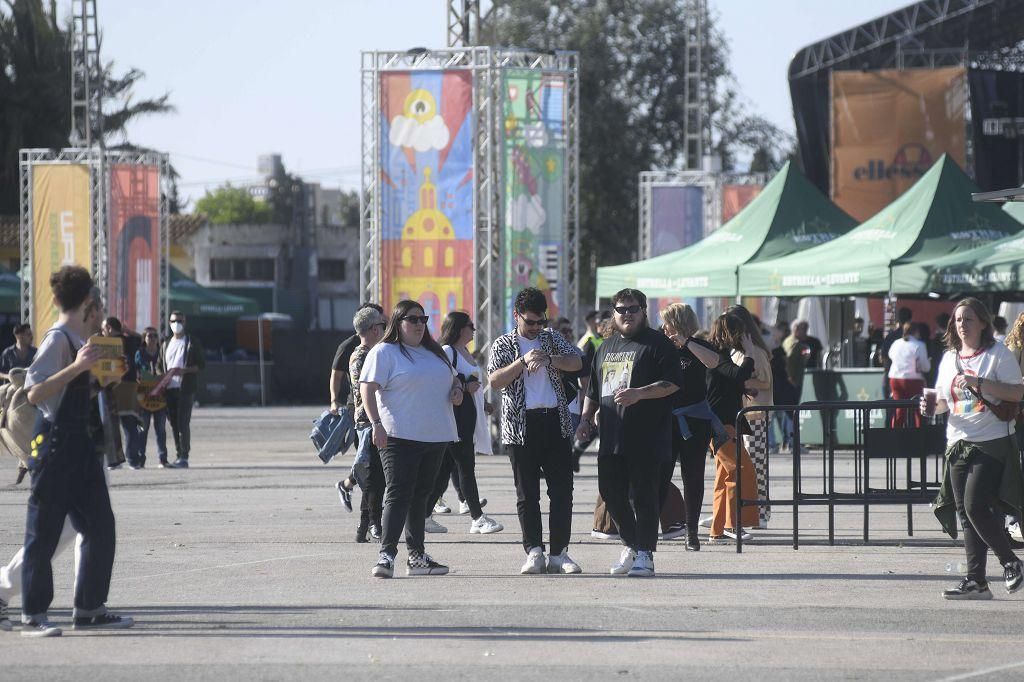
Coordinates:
[86,77]
[695,88]
[463,22]
[487,66]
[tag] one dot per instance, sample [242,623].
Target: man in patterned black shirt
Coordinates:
[527,366]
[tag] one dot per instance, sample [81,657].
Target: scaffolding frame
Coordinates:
[98,161]
[712,184]
[487,65]
[86,76]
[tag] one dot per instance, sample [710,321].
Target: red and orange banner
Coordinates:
[61,232]
[134,245]
[888,127]
[735,198]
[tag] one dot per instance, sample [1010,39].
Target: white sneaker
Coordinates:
[705,522]
[441,508]
[535,562]
[42,628]
[485,525]
[626,560]
[730,533]
[464,506]
[643,565]
[563,563]
[432,526]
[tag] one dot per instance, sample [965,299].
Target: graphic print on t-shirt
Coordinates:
[616,371]
[964,402]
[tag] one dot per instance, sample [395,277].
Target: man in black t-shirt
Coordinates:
[635,370]
[341,384]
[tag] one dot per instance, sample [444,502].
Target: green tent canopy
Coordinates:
[934,218]
[10,292]
[1016,209]
[788,216]
[195,300]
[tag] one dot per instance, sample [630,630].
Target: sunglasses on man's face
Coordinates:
[535,323]
[623,309]
[417,319]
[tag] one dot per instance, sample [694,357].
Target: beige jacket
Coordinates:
[761,379]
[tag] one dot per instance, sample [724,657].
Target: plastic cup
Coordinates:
[931,396]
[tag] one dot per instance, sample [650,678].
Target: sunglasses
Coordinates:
[623,309]
[175,320]
[417,319]
[535,323]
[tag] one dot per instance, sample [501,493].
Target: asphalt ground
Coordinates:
[245,567]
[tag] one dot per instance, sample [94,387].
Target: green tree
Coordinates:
[632,104]
[35,90]
[234,205]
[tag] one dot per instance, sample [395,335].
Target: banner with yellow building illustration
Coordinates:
[61,233]
[535,186]
[426,181]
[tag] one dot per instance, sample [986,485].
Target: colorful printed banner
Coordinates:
[535,188]
[735,198]
[426,156]
[888,128]
[61,233]
[134,246]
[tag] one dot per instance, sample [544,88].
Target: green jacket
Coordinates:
[194,357]
[1011,488]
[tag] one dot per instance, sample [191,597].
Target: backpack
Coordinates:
[465,414]
[17,417]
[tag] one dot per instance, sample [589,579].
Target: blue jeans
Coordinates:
[159,419]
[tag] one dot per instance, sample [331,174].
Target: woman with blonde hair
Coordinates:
[725,388]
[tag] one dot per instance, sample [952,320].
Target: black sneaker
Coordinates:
[375,531]
[40,628]
[1012,576]
[968,589]
[676,530]
[385,567]
[107,621]
[361,534]
[422,564]
[180,464]
[692,542]
[345,495]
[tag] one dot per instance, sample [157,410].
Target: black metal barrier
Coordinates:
[896,443]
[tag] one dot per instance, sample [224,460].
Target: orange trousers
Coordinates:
[724,506]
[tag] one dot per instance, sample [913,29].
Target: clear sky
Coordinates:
[251,77]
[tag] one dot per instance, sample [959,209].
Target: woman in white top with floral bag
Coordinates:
[978,381]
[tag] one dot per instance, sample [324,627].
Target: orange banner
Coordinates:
[888,127]
[134,246]
[735,198]
[61,233]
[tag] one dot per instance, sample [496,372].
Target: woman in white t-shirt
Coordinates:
[982,468]
[408,389]
[909,363]
[456,333]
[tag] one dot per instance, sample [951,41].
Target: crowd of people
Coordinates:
[652,397]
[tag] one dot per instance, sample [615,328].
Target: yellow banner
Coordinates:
[888,127]
[60,232]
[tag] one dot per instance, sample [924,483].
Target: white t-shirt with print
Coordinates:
[969,419]
[539,391]
[175,358]
[414,397]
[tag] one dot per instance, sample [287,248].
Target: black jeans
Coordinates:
[975,489]
[159,421]
[459,459]
[410,468]
[617,474]
[179,411]
[70,485]
[546,453]
[693,456]
[371,503]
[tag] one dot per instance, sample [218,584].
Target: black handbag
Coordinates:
[465,414]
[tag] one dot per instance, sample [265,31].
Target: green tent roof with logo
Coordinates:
[788,216]
[997,266]
[934,218]
[193,299]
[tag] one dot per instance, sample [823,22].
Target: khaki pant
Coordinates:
[724,507]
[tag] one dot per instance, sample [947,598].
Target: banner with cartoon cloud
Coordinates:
[426,190]
[533,105]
